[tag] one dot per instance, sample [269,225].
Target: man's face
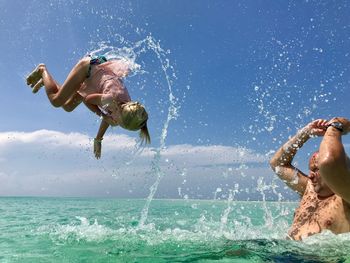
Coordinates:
[320,187]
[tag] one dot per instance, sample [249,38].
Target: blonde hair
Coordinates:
[134,117]
[144,134]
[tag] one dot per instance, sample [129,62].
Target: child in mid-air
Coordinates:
[99,84]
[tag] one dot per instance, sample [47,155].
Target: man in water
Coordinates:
[325,192]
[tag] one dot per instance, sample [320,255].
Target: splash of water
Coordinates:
[172,114]
[129,54]
[227,211]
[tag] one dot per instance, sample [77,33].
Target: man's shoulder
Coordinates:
[343,201]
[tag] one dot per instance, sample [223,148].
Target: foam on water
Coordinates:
[238,236]
[204,230]
[178,230]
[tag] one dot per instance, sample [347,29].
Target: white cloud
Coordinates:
[213,155]
[48,162]
[53,139]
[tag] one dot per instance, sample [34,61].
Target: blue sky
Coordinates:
[245,74]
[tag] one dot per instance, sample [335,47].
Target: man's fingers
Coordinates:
[320,123]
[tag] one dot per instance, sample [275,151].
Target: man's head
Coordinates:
[320,187]
[134,117]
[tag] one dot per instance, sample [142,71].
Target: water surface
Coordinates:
[109,230]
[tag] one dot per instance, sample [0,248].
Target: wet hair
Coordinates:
[144,134]
[133,110]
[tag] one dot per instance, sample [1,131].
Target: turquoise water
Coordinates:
[108,230]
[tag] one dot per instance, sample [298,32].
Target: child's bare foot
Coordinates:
[35,76]
[37,86]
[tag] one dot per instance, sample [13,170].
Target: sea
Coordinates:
[34,229]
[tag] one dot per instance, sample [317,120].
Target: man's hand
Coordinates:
[317,127]
[344,121]
[97,148]
[281,162]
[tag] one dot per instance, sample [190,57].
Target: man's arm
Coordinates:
[281,162]
[333,161]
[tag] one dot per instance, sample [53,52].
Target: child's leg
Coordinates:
[34,77]
[59,96]
[73,102]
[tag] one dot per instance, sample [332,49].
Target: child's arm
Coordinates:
[94,109]
[99,100]
[99,137]
[94,99]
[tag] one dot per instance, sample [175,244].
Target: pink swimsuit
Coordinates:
[106,79]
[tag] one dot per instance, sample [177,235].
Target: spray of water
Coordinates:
[228,210]
[130,53]
[172,114]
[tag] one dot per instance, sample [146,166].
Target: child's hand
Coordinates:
[97,148]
